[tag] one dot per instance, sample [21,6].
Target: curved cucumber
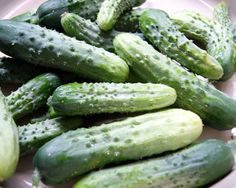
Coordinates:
[32,95]
[219,42]
[161,32]
[88,31]
[84,150]
[29,17]
[216,109]
[88,98]
[111,10]
[33,136]
[44,47]
[188,168]
[9,146]
[50,12]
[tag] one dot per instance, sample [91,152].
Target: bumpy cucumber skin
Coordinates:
[32,95]
[9,144]
[88,31]
[33,136]
[218,40]
[159,30]
[84,150]
[129,21]
[35,45]
[111,10]
[93,98]
[216,109]
[29,17]
[188,168]
[50,12]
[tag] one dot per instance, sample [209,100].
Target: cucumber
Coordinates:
[88,31]
[84,150]
[188,168]
[43,46]
[50,12]
[32,95]
[111,10]
[29,17]
[93,98]
[129,21]
[216,109]
[9,145]
[219,42]
[33,136]
[161,32]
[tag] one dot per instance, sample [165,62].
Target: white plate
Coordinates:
[22,178]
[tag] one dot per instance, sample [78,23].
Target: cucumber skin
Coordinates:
[188,168]
[9,144]
[50,12]
[38,44]
[93,98]
[159,30]
[32,95]
[218,40]
[33,136]
[216,109]
[107,143]
[111,10]
[29,17]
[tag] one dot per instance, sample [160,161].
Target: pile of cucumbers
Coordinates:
[125,92]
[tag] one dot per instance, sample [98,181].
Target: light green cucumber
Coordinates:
[29,17]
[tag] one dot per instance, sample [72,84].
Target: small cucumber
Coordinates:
[84,150]
[111,10]
[33,136]
[161,32]
[32,95]
[50,12]
[44,47]
[218,40]
[93,98]
[9,145]
[195,166]
[29,17]
[216,109]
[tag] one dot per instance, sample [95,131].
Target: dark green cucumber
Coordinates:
[216,109]
[111,10]
[93,98]
[49,48]
[161,32]
[9,144]
[29,17]
[33,136]
[84,150]
[88,31]
[129,21]
[50,12]
[195,166]
[32,95]
[218,40]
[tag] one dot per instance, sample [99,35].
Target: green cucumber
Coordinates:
[33,136]
[9,146]
[88,31]
[32,95]
[84,150]
[93,98]
[218,40]
[161,32]
[29,17]
[129,21]
[195,166]
[42,46]
[111,10]
[216,109]
[50,12]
